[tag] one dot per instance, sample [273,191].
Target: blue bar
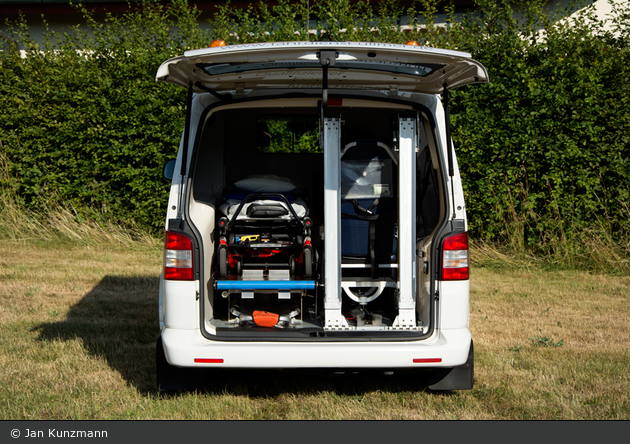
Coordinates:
[265,285]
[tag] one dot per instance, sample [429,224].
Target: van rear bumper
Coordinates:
[188,348]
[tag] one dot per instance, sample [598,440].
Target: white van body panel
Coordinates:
[454,306]
[426,324]
[181,308]
[451,347]
[369,66]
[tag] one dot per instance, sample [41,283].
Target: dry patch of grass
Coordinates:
[556,342]
[78,324]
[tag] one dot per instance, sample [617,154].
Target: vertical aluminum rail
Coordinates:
[332,224]
[407,224]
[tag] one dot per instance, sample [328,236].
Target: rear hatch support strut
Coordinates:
[449,144]
[184,164]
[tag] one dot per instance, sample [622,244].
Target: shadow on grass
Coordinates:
[272,383]
[118,321]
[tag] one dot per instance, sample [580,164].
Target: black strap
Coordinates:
[425,178]
[373,261]
[361,212]
[357,217]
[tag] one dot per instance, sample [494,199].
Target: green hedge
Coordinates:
[545,146]
[543,149]
[83,121]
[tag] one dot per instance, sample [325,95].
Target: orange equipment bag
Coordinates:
[266,319]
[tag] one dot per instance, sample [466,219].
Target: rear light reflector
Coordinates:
[178,257]
[209,360]
[426,360]
[455,258]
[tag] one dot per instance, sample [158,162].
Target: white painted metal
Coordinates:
[406,224]
[181,308]
[451,346]
[332,224]
[377,285]
[368,265]
[454,305]
[381,144]
[263,65]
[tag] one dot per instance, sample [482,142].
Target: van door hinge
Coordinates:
[437,295]
[393,90]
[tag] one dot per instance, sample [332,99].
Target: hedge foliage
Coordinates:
[543,149]
[83,121]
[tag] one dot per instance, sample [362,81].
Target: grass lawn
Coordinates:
[78,325]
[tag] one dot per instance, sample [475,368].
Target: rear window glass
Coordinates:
[412,69]
[282,134]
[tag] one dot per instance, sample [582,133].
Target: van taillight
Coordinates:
[455,257]
[178,263]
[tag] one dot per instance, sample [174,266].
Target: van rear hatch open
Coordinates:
[372,66]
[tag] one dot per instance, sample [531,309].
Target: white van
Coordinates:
[316,217]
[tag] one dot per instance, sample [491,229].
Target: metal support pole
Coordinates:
[332,224]
[407,224]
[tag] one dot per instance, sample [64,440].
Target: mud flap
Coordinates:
[171,378]
[456,378]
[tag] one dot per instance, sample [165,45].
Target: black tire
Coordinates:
[239,267]
[292,265]
[308,262]
[223,261]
